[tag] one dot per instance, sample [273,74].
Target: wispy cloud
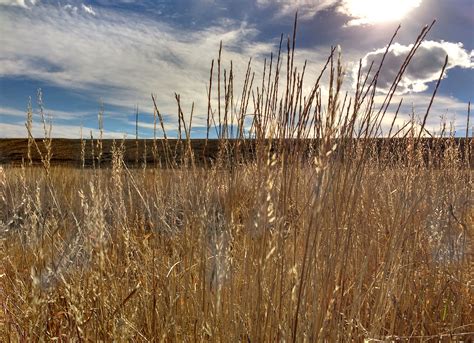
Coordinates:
[306,8]
[18,130]
[19,3]
[74,9]
[88,9]
[120,58]
[11,112]
[65,124]
[54,114]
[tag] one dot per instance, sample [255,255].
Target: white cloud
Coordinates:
[444,108]
[425,67]
[18,130]
[54,114]
[74,9]
[13,112]
[88,9]
[306,8]
[19,3]
[70,8]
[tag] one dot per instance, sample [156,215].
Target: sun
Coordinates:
[378,11]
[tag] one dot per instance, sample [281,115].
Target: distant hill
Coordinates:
[68,151]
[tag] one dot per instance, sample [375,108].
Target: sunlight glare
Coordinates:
[378,11]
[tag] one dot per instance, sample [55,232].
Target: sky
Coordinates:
[88,55]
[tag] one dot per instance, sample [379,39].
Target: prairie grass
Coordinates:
[302,228]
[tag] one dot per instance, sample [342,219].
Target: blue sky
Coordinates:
[82,53]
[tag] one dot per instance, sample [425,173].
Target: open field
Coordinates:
[266,251]
[318,229]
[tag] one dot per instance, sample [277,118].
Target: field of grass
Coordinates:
[341,240]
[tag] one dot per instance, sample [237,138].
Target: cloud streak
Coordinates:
[19,3]
[18,130]
[306,8]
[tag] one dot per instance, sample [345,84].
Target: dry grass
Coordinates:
[336,241]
